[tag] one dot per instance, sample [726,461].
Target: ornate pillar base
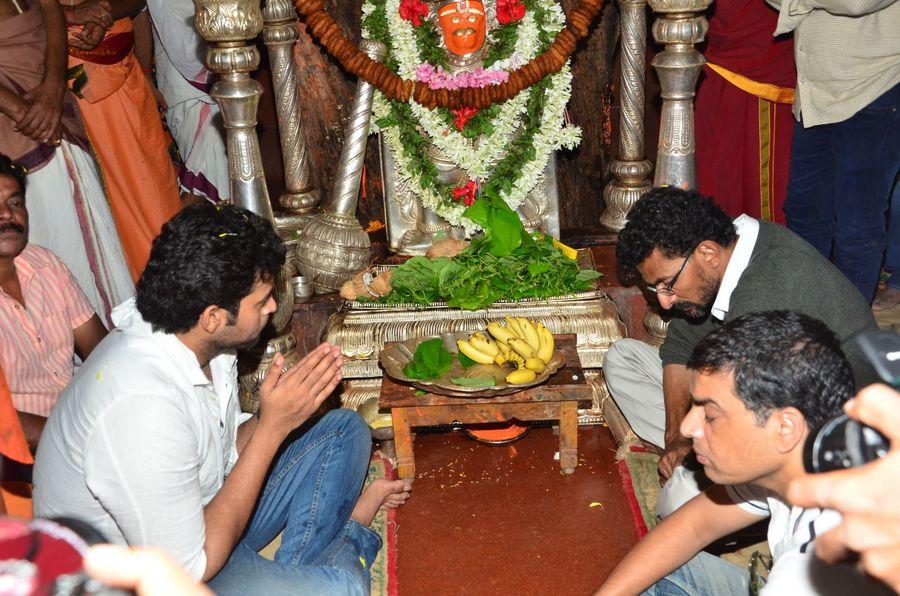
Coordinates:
[630,182]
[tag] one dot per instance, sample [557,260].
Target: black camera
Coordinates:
[842,442]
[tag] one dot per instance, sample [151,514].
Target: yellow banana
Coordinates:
[545,351]
[535,364]
[473,352]
[523,375]
[513,325]
[479,335]
[499,360]
[482,344]
[530,333]
[521,347]
[499,332]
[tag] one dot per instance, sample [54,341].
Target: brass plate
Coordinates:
[394,358]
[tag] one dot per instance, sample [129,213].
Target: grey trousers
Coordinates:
[633,372]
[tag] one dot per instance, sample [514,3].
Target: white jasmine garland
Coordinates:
[479,157]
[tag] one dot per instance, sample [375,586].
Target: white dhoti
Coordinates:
[193,116]
[634,375]
[195,125]
[68,214]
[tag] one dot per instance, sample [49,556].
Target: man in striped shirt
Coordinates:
[45,317]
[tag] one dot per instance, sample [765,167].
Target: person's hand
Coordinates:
[98,12]
[41,120]
[161,103]
[865,496]
[147,571]
[88,38]
[676,450]
[287,400]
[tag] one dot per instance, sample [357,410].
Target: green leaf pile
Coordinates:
[506,263]
[430,361]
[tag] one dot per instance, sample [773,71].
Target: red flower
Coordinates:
[510,11]
[413,10]
[466,193]
[463,115]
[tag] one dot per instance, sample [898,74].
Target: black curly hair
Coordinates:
[779,359]
[10,168]
[206,255]
[673,220]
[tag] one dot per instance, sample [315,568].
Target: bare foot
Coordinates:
[886,298]
[382,492]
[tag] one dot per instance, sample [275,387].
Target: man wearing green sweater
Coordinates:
[705,271]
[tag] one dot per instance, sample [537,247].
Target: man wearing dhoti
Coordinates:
[192,115]
[40,128]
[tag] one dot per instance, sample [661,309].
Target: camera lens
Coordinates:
[842,443]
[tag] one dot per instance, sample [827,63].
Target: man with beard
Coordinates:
[148,446]
[707,270]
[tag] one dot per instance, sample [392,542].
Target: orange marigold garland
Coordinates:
[324,28]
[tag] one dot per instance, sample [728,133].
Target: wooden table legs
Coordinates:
[403,443]
[404,418]
[568,436]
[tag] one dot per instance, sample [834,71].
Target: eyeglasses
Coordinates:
[666,290]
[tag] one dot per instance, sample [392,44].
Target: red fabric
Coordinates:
[728,149]
[740,39]
[114,48]
[640,527]
[728,119]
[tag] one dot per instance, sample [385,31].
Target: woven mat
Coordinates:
[384,569]
[640,481]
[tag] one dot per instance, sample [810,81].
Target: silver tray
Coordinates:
[394,358]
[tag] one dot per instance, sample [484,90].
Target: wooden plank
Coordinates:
[480,413]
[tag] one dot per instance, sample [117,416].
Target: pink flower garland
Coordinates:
[436,78]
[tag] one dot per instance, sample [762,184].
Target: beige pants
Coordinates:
[634,375]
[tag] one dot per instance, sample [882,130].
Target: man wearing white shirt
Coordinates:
[705,270]
[147,443]
[759,385]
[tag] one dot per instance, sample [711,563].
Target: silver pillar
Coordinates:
[280,35]
[228,26]
[631,171]
[680,26]
[333,246]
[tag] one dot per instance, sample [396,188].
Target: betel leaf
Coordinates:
[430,361]
[474,381]
[464,360]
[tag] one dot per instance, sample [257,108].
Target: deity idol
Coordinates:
[411,226]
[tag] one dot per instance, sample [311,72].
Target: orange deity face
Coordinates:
[464,25]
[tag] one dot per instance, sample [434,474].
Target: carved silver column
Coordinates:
[631,171]
[280,35]
[680,26]
[333,245]
[228,26]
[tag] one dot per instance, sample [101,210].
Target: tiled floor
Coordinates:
[503,519]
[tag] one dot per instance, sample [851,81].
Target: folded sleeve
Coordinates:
[142,463]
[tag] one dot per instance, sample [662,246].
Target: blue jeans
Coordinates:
[309,494]
[704,575]
[892,255]
[841,179]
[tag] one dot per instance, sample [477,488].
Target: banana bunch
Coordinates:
[527,345]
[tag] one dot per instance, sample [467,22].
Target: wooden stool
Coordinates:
[556,399]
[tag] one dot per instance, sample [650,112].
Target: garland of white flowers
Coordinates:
[479,156]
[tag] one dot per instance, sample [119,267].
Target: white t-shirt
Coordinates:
[140,441]
[792,533]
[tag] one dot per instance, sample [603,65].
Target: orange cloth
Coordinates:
[121,118]
[12,439]
[16,495]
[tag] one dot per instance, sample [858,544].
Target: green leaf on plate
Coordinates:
[474,381]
